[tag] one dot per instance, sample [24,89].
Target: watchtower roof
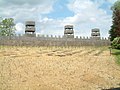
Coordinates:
[30,23]
[68,26]
[95,30]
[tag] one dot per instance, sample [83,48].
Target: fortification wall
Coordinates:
[41,40]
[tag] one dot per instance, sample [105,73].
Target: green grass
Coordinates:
[116,52]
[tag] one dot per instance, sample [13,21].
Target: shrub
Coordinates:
[116,43]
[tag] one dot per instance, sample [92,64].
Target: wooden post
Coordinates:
[110,48]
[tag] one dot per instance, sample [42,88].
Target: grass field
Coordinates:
[116,52]
[57,68]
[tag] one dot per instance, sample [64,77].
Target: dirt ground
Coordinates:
[57,68]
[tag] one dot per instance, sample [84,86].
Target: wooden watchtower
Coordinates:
[68,31]
[30,28]
[95,33]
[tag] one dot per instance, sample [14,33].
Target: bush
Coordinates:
[116,43]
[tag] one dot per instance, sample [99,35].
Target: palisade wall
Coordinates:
[41,40]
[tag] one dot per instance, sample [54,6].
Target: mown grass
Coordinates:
[116,52]
[57,68]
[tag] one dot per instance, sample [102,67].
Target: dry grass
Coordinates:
[57,68]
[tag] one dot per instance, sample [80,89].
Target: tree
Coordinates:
[115,28]
[7,27]
[116,43]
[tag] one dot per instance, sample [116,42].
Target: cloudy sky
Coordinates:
[52,15]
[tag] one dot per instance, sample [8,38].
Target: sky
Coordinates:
[52,15]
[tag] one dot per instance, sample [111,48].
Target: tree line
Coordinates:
[115,28]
